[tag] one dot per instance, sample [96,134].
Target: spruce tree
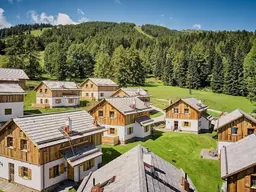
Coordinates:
[217,75]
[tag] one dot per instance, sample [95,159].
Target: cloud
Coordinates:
[60,19]
[162,15]
[18,16]
[197,26]
[80,12]
[118,2]
[3,21]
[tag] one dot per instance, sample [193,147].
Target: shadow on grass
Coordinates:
[109,153]
[84,103]
[32,111]
[156,134]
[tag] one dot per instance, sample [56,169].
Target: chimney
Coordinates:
[134,104]
[147,158]
[95,123]
[199,102]
[68,126]
[96,188]
[185,183]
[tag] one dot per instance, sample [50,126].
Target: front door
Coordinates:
[70,173]
[176,125]
[11,172]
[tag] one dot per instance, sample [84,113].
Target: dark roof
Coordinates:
[133,175]
[238,156]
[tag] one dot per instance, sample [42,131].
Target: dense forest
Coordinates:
[225,61]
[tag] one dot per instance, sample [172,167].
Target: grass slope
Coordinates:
[39,32]
[161,93]
[183,151]
[3,60]
[142,32]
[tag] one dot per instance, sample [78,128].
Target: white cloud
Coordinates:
[197,26]
[3,21]
[79,11]
[117,1]
[60,19]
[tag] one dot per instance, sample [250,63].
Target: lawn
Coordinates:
[160,95]
[183,151]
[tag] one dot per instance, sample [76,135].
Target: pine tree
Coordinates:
[167,76]
[103,67]
[193,75]
[217,75]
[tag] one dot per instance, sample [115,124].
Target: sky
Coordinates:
[174,14]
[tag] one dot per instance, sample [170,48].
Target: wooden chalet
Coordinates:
[13,76]
[40,151]
[57,94]
[97,88]
[142,94]
[188,115]
[138,170]
[234,126]
[11,101]
[238,165]
[125,119]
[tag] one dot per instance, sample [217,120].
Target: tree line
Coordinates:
[225,61]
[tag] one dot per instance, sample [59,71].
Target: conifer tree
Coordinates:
[217,82]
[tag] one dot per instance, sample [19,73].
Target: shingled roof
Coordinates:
[132,174]
[234,115]
[133,91]
[11,89]
[8,74]
[102,82]
[60,85]
[238,156]
[43,129]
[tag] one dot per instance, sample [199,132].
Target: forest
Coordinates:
[224,61]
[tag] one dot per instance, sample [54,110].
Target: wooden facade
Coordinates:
[243,181]
[11,98]
[122,93]
[177,111]
[90,86]
[32,154]
[244,128]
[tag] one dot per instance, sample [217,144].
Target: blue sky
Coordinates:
[174,14]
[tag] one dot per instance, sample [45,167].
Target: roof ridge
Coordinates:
[51,113]
[141,170]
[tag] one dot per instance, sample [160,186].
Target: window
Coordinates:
[250,131]
[146,129]
[102,94]
[92,94]
[70,100]
[112,131]
[45,90]
[8,111]
[111,114]
[88,165]
[57,101]
[86,85]
[41,90]
[87,94]
[253,181]
[176,110]
[91,85]
[9,142]
[100,113]
[46,101]
[56,171]
[234,130]
[41,101]
[24,172]
[23,144]
[186,124]
[130,130]
[186,110]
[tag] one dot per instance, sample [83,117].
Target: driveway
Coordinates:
[12,187]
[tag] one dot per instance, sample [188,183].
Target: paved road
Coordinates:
[160,118]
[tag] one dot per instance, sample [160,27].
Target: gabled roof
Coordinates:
[124,104]
[43,129]
[238,156]
[234,115]
[133,175]
[8,74]
[11,89]
[133,91]
[59,85]
[192,102]
[101,82]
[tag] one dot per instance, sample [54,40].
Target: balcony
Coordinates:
[110,139]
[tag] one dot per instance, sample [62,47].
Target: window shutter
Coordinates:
[189,124]
[62,168]
[19,144]
[20,171]
[115,131]
[29,174]
[247,181]
[183,124]
[93,162]
[14,142]
[51,173]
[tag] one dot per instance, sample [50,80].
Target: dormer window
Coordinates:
[186,110]
[176,110]
[111,114]
[9,142]
[234,130]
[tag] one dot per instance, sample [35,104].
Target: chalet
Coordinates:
[188,115]
[238,165]
[57,94]
[125,118]
[142,94]
[11,101]
[40,151]
[13,76]
[234,126]
[97,89]
[138,170]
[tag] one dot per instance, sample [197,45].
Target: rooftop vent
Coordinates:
[133,105]
[184,182]
[68,126]
[100,186]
